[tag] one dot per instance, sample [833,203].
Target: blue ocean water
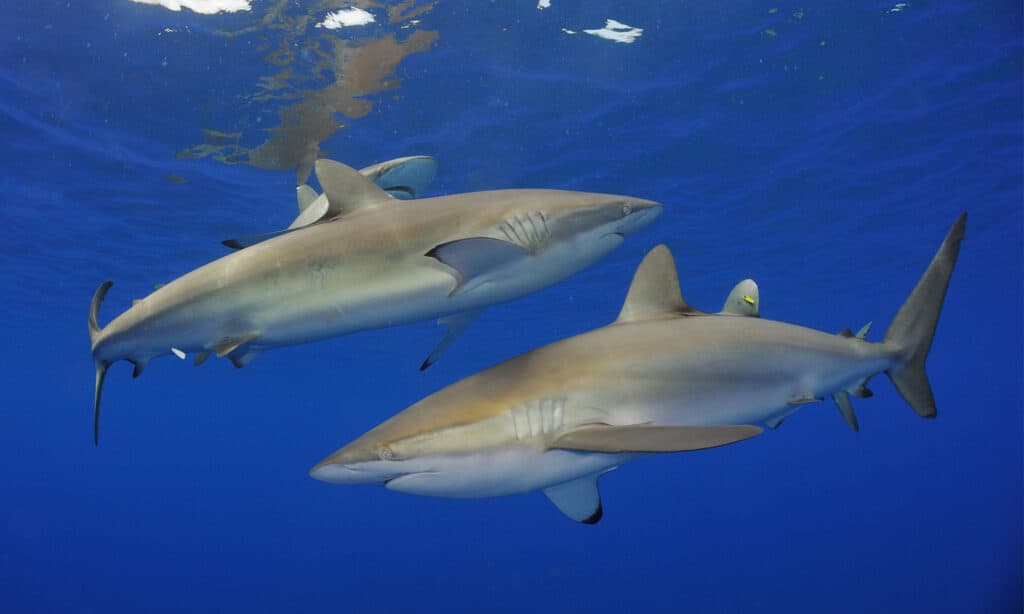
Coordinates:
[821,149]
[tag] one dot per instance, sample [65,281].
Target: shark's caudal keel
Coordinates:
[664,377]
[375,262]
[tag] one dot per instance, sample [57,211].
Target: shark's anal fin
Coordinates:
[644,438]
[228,345]
[241,358]
[456,323]
[473,258]
[578,499]
[842,399]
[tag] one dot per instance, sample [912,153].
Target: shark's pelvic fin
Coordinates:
[224,347]
[913,327]
[471,259]
[804,400]
[455,323]
[139,365]
[347,190]
[578,499]
[654,292]
[643,438]
[743,300]
[842,399]
[201,357]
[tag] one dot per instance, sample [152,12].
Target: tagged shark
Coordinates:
[380,262]
[664,377]
[402,178]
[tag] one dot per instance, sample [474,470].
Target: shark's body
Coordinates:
[383,262]
[664,377]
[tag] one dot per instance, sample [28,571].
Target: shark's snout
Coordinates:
[374,472]
[638,213]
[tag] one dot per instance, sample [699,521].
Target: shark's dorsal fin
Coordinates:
[744,300]
[655,292]
[347,190]
[578,499]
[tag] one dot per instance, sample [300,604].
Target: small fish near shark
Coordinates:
[402,178]
[379,262]
[664,377]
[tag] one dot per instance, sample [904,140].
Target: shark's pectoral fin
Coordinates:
[456,323]
[305,196]
[313,213]
[579,499]
[243,242]
[471,259]
[227,345]
[643,438]
[403,178]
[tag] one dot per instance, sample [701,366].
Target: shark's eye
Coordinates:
[385,453]
[626,209]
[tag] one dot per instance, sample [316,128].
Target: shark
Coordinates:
[380,262]
[663,377]
[402,178]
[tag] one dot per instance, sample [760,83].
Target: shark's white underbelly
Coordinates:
[499,471]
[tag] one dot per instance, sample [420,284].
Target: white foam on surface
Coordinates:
[203,7]
[617,31]
[346,18]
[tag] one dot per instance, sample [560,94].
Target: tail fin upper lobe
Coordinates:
[913,327]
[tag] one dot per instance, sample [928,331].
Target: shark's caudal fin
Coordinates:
[101,365]
[913,327]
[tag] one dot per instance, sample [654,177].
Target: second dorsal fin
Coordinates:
[655,291]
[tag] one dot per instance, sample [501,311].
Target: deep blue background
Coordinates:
[826,161]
